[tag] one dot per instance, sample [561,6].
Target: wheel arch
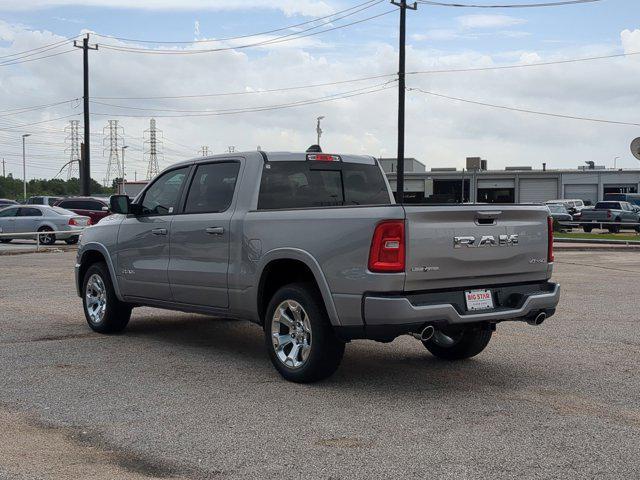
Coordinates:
[92,253]
[300,265]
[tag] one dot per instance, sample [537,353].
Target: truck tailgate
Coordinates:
[475,245]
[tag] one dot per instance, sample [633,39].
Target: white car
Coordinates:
[44,219]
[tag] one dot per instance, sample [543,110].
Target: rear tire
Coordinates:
[298,335]
[458,344]
[72,240]
[102,309]
[46,238]
[587,229]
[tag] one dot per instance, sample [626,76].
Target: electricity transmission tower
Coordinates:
[114,139]
[73,139]
[152,145]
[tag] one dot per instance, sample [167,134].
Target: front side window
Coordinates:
[303,184]
[8,212]
[162,197]
[212,187]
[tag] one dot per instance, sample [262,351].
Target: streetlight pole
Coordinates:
[124,147]
[24,166]
[615,162]
[319,130]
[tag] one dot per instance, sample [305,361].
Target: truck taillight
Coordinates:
[387,247]
[550,257]
[323,157]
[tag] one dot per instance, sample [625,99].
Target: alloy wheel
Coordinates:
[96,298]
[291,334]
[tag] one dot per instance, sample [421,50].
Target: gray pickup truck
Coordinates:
[612,216]
[313,247]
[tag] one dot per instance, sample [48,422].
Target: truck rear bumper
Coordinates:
[399,310]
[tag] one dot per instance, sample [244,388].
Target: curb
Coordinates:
[595,241]
[57,249]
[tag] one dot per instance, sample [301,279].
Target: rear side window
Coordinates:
[29,212]
[212,187]
[608,205]
[308,184]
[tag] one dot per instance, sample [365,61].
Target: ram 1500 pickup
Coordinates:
[313,247]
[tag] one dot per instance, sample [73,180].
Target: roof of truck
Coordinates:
[280,157]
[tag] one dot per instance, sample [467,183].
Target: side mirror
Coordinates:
[105,209]
[120,204]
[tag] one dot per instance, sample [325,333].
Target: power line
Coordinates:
[326,98]
[6,64]
[526,65]
[250,92]
[207,111]
[19,111]
[516,5]
[47,47]
[13,127]
[374,77]
[283,38]
[288,27]
[524,110]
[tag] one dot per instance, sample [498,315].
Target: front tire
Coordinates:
[301,342]
[458,344]
[102,309]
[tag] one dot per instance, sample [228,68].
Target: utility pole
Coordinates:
[3,172]
[402,4]
[24,167]
[231,149]
[204,151]
[85,181]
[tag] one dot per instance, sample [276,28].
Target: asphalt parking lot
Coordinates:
[186,396]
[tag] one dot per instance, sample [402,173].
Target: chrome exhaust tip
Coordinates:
[538,319]
[425,335]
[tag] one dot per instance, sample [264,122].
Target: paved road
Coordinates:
[185,396]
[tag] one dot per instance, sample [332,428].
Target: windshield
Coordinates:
[555,208]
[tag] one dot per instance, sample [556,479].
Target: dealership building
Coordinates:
[512,185]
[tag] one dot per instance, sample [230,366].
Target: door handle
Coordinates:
[214,230]
[159,231]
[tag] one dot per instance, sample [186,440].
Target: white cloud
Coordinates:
[439,132]
[289,7]
[630,40]
[488,21]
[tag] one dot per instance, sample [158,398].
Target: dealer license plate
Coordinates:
[479,299]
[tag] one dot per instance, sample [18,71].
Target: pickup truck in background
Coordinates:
[612,216]
[312,247]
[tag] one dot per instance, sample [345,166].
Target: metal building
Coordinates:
[512,185]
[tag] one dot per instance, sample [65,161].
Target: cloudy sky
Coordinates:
[35,92]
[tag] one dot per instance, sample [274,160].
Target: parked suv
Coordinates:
[312,247]
[94,208]
[51,201]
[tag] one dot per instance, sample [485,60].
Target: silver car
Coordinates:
[41,218]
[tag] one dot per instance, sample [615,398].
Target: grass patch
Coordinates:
[631,236]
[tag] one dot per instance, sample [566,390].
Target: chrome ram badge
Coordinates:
[485,241]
